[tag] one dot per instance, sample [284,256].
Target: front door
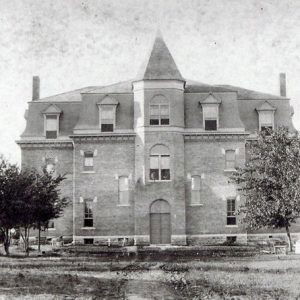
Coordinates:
[160,223]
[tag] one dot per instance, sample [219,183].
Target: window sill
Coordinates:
[88,228]
[195,204]
[51,229]
[160,180]
[229,170]
[123,205]
[88,172]
[231,226]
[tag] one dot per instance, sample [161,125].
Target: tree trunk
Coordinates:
[6,242]
[289,237]
[39,241]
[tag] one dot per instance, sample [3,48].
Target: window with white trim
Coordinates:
[230,159]
[195,189]
[107,118]
[231,211]
[88,163]
[50,166]
[210,116]
[107,114]
[123,190]
[88,213]
[159,163]
[266,120]
[51,129]
[159,111]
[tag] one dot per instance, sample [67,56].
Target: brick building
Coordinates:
[149,159]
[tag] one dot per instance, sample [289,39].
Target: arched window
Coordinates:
[159,163]
[159,111]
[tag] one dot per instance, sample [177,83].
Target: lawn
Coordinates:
[70,277]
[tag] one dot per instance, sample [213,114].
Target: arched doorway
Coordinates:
[160,222]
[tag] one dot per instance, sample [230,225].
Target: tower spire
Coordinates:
[160,63]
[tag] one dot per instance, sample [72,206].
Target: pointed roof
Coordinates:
[211,99]
[160,63]
[265,106]
[52,109]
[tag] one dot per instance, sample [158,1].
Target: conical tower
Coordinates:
[159,150]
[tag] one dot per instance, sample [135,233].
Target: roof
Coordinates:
[192,86]
[71,96]
[159,64]
[115,88]
[52,109]
[265,106]
[245,94]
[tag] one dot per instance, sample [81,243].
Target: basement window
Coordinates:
[88,241]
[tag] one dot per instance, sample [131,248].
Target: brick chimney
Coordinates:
[282,80]
[35,88]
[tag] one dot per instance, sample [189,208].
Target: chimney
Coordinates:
[282,79]
[35,88]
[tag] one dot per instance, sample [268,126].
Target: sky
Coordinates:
[72,44]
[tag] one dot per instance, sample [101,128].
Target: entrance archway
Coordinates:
[160,222]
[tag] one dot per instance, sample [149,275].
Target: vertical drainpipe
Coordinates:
[74,198]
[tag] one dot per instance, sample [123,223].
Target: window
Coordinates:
[88,241]
[50,166]
[231,211]
[51,224]
[107,114]
[160,163]
[51,126]
[266,120]
[230,240]
[107,118]
[88,164]
[88,213]
[51,121]
[210,124]
[229,159]
[266,113]
[210,109]
[123,190]
[159,111]
[195,189]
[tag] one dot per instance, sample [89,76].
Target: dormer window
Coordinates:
[159,111]
[210,110]
[51,122]
[266,113]
[107,114]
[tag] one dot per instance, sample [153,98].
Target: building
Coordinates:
[148,160]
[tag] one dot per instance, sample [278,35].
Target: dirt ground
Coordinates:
[259,277]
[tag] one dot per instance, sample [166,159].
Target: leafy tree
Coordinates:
[27,200]
[9,175]
[41,203]
[47,201]
[270,181]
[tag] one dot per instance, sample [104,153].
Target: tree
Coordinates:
[9,179]
[47,202]
[28,199]
[41,203]
[270,181]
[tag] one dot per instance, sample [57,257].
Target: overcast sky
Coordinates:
[71,44]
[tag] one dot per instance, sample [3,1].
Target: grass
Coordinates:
[259,277]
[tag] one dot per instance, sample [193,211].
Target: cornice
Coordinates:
[66,144]
[103,138]
[215,137]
